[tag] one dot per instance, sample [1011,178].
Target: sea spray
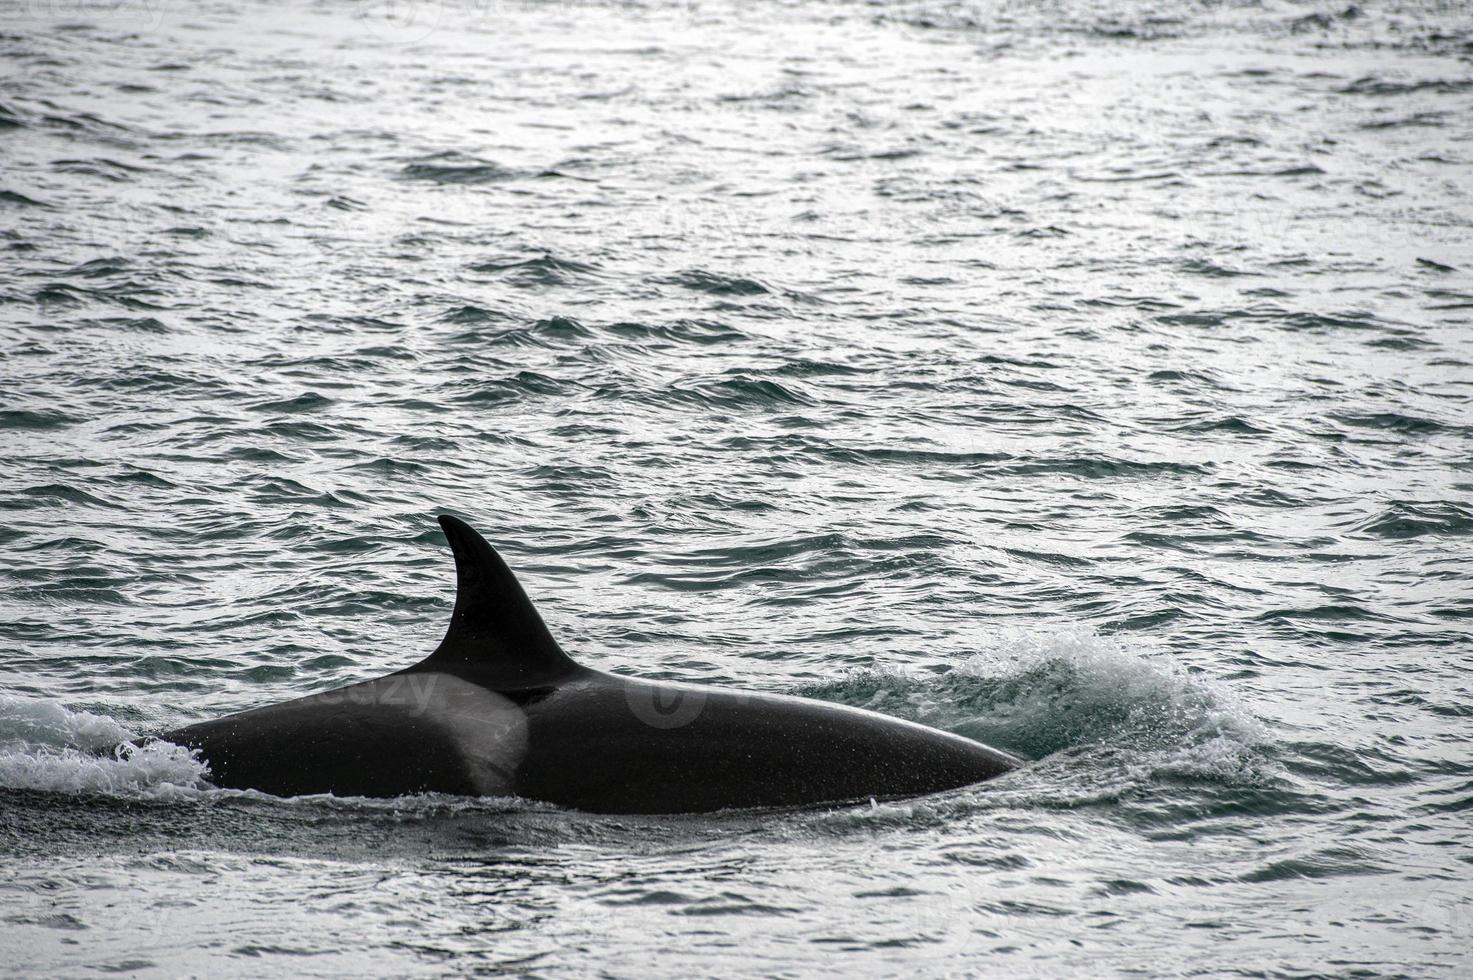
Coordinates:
[46,746]
[1038,693]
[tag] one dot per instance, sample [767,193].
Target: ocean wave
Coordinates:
[544,270]
[1070,695]
[454,167]
[46,746]
[1414,519]
[716,284]
[1039,694]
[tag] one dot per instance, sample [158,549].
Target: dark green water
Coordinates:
[1095,380]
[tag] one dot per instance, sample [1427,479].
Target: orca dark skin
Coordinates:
[500,710]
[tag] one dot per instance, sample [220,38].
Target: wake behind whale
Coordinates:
[498,709]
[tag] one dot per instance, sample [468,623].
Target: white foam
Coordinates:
[1034,692]
[46,746]
[51,723]
[1103,686]
[1039,692]
[157,769]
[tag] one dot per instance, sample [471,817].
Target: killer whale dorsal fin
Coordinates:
[494,629]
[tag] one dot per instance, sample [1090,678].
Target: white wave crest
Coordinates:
[1075,687]
[1038,693]
[46,746]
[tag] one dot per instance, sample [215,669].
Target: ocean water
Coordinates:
[1088,377]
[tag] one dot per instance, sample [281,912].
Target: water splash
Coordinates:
[1039,694]
[1073,698]
[46,746]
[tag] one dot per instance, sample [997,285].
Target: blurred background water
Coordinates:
[1088,377]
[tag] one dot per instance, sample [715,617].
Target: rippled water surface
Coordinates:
[1094,379]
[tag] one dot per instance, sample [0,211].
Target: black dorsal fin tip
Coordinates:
[494,625]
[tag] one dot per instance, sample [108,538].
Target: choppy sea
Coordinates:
[1092,378]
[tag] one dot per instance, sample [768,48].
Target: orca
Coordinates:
[498,709]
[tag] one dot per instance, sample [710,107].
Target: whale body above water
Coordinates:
[498,709]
